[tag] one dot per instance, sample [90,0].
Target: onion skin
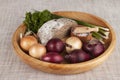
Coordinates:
[37,51]
[94,47]
[27,41]
[55,45]
[52,57]
[77,56]
[73,43]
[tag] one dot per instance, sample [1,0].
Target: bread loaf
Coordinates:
[56,28]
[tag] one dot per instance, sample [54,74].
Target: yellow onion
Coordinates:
[73,43]
[27,41]
[37,51]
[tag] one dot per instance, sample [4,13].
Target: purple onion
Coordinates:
[77,56]
[52,57]
[55,45]
[95,47]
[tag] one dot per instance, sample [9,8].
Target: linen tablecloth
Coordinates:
[12,14]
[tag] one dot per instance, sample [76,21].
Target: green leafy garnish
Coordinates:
[35,20]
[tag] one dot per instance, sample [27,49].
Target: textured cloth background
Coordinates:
[11,16]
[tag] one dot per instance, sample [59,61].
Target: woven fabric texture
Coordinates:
[12,14]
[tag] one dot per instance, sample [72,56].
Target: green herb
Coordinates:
[85,23]
[97,35]
[102,33]
[34,20]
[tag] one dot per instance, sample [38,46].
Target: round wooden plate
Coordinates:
[67,68]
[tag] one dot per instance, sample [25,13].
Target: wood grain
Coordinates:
[67,68]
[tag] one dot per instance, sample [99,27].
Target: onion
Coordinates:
[55,45]
[77,56]
[73,43]
[52,57]
[37,51]
[27,41]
